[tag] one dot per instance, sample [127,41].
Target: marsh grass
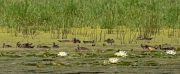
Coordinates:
[58,17]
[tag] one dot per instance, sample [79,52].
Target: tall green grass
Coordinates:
[146,16]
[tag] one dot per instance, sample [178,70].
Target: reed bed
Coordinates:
[90,18]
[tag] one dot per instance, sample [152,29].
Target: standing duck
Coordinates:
[6,46]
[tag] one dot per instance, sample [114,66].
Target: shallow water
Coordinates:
[10,64]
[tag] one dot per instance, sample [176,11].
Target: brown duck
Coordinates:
[25,45]
[75,40]
[44,46]
[6,46]
[145,38]
[80,48]
[144,46]
[167,47]
[65,40]
[93,44]
[109,41]
[54,45]
[89,41]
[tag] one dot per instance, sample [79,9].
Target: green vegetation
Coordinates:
[62,16]
[134,58]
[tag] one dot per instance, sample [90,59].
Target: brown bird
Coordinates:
[65,40]
[167,47]
[156,46]
[139,38]
[54,45]
[25,45]
[44,46]
[109,41]
[93,44]
[6,46]
[104,44]
[76,40]
[80,48]
[147,38]
[144,46]
[89,41]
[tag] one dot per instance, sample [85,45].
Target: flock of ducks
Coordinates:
[74,40]
[155,47]
[109,41]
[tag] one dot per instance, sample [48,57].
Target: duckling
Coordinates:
[54,45]
[6,46]
[150,48]
[80,48]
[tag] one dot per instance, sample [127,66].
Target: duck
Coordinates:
[139,38]
[144,46]
[65,40]
[147,38]
[80,48]
[54,45]
[25,45]
[168,47]
[89,41]
[76,40]
[6,46]
[104,44]
[93,44]
[30,46]
[109,41]
[156,46]
[44,46]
